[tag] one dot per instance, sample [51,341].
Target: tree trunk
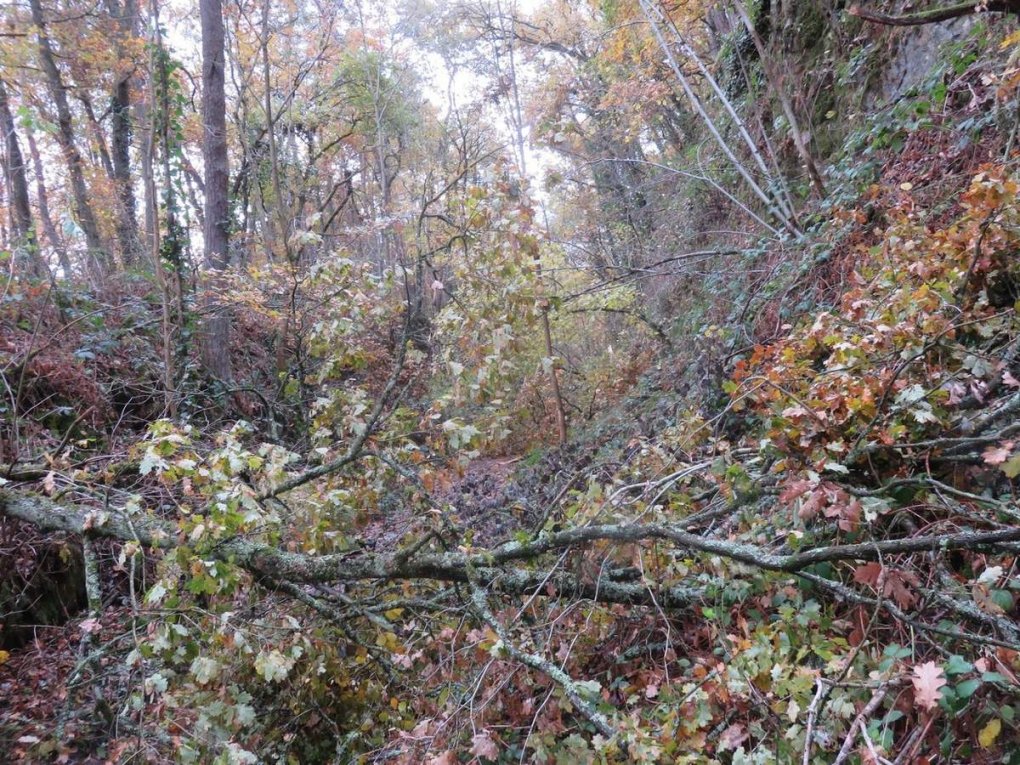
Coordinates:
[214,137]
[517,127]
[146,151]
[98,136]
[65,137]
[27,252]
[53,236]
[216,345]
[120,109]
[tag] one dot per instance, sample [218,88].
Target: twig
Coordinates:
[820,683]
[570,686]
[861,719]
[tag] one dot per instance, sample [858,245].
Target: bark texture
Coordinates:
[216,328]
[121,136]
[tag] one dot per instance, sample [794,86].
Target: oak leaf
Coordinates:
[928,680]
[732,737]
[996,455]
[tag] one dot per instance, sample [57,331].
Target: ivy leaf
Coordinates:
[928,681]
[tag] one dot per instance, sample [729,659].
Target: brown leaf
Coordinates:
[793,490]
[996,455]
[896,583]
[896,586]
[483,745]
[732,737]
[928,680]
[868,573]
[811,506]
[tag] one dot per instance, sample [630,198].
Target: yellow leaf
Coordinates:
[4,656]
[1013,39]
[989,733]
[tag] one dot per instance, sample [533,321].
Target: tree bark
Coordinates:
[214,137]
[98,136]
[28,256]
[216,340]
[120,139]
[66,139]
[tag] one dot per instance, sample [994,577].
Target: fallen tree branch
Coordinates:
[269,564]
[936,15]
[844,593]
[278,565]
[859,722]
[571,688]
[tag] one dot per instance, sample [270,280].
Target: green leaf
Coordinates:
[957,665]
[156,594]
[244,714]
[1011,467]
[152,461]
[966,689]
